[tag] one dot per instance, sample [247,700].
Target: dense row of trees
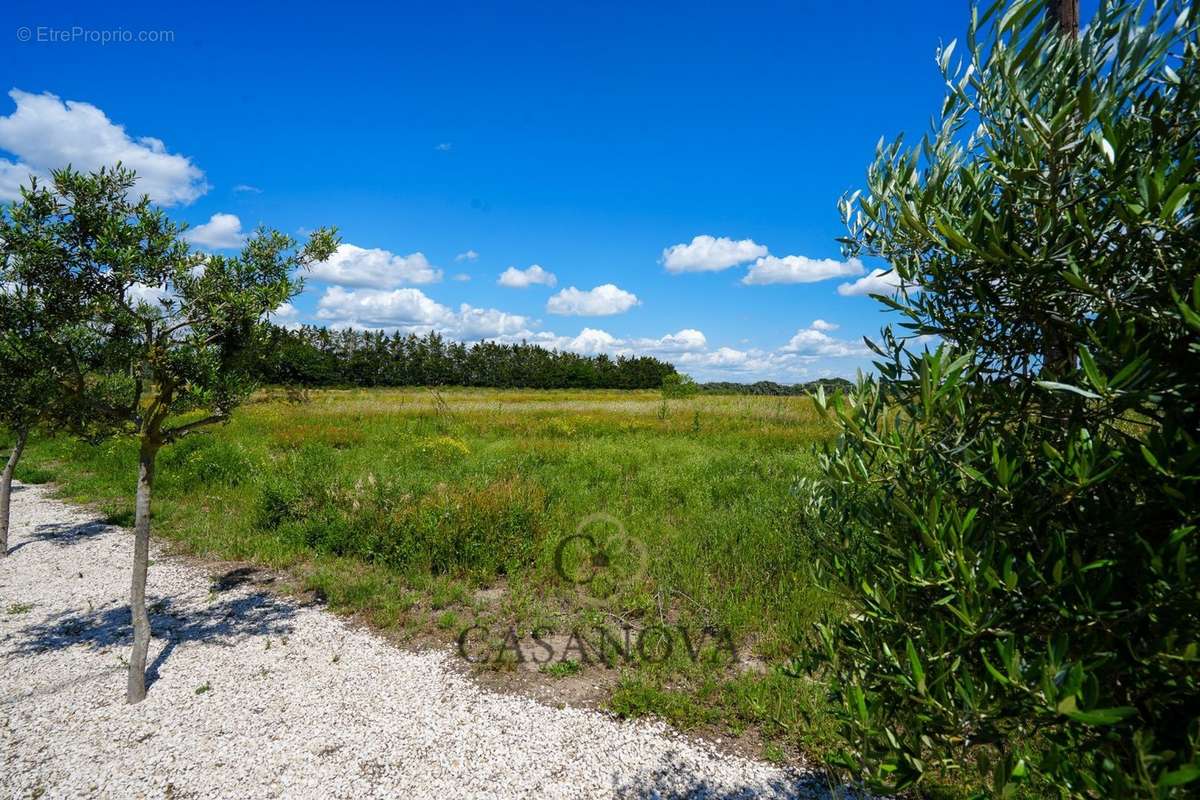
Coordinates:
[313,356]
[309,356]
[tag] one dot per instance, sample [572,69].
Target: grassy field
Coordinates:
[584,517]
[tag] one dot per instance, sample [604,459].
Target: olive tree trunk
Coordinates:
[1057,355]
[1066,12]
[147,454]
[6,487]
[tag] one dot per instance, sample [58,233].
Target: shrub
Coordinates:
[1016,512]
[295,486]
[678,386]
[206,460]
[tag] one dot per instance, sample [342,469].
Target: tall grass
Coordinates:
[400,505]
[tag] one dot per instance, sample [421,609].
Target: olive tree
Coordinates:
[28,386]
[176,328]
[20,410]
[1014,515]
[44,347]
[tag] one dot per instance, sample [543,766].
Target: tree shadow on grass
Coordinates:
[226,623]
[64,534]
[671,781]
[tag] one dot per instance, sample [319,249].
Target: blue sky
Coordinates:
[586,139]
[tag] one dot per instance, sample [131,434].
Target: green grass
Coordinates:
[562,669]
[424,513]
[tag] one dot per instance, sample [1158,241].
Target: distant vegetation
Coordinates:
[771,388]
[319,357]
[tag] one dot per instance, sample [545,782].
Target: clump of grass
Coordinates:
[559,427]
[481,530]
[562,669]
[206,461]
[445,592]
[637,697]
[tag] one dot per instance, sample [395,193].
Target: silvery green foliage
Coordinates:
[145,328]
[1018,535]
[44,346]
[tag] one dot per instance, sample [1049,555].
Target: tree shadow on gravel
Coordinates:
[225,623]
[64,534]
[672,781]
[239,576]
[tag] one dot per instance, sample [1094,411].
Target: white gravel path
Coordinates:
[258,697]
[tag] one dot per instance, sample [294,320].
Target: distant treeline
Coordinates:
[772,388]
[310,356]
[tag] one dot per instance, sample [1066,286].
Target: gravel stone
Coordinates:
[247,699]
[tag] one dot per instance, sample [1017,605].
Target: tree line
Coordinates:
[773,389]
[312,357]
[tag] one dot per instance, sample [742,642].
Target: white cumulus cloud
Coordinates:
[880,281]
[822,325]
[469,255]
[470,322]
[814,341]
[591,341]
[285,315]
[220,232]
[799,269]
[811,352]
[139,293]
[412,311]
[46,133]
[374,268]
[688,339]
[520,278]
[598,302]
[375,307]
[709,254]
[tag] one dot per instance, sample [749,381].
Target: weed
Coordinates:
[444,449]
